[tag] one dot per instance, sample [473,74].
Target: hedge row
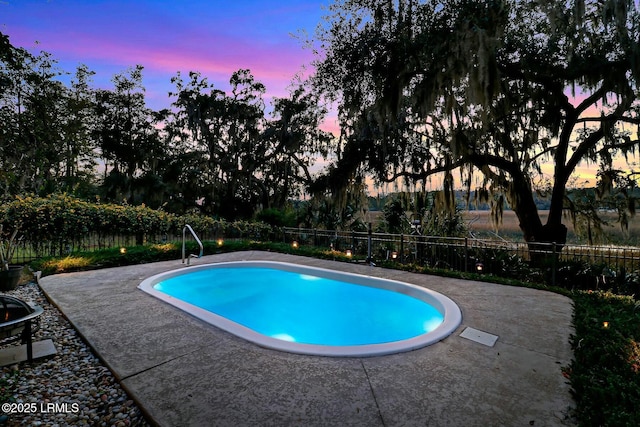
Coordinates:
[65,219]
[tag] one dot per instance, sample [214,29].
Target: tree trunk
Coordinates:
[539,237]
[554,231]
[523,204]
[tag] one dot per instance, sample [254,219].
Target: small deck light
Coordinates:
[294,244]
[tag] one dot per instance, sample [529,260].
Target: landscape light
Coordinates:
[294,244]
[479,267]
[394,255]
[348,252]
[123,250]
[220,242]
[605,325]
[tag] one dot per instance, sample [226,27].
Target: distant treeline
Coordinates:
[377,203]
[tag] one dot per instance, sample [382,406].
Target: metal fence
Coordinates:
[30,249]
[564,265]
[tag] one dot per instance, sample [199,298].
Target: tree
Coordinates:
[31,125]
[294,141]
[243,147]
[245,162]
[225,130]
[127,135]
[12,69]
[78,157]
[492,89]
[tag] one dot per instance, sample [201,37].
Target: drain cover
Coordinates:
[479,336]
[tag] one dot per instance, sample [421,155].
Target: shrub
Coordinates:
[59,223]
[277,217]
[605,372]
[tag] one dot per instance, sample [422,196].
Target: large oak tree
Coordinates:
[245,162]
[493,89]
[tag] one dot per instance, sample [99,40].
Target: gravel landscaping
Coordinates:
[70,388]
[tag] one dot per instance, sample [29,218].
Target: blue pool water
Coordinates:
[303,308]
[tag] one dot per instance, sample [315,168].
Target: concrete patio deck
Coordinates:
[184,372]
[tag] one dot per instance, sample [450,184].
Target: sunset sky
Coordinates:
[214,37]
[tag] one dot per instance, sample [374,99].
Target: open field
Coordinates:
[479,223]
[480,226]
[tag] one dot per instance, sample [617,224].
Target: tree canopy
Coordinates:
[220,153]
[492,89]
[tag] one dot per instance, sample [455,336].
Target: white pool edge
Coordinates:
[447,307]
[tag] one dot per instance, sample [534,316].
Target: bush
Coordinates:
[277,217]
[605,372]
[58,223]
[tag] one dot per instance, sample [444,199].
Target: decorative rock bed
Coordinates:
[71,388]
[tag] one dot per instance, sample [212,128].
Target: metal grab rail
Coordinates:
[195,236]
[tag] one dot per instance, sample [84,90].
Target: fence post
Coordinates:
[369,231]
[553,264]
[353,240]
[466,254]
[402,248]
[315,237]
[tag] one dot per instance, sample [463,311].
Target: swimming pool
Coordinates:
[309,310]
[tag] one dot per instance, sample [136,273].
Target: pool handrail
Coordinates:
[195,236]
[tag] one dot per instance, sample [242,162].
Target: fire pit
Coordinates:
[17,321]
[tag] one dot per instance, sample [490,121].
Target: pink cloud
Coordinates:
[273,65]
[213,38]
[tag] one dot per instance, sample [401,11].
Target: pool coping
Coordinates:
[182,371]
[450,311]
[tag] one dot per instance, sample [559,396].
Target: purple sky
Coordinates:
[214,37]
